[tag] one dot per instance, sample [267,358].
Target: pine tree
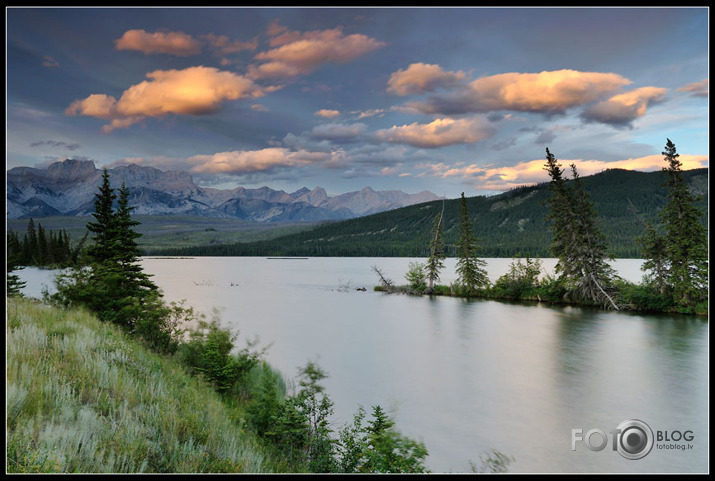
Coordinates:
[593,272]
[470,269]
[113,285]
[435,263]
[102,227]
[14,246]
[560,214]
[577,242]
[29,245]
[14,251]
[125,250]
[42,246]
[653,246]
[685,236]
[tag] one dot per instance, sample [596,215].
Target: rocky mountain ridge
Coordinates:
[68,188]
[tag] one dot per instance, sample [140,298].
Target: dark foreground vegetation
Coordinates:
[675,250]
[108,378]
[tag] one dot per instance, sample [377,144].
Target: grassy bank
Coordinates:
[83,397]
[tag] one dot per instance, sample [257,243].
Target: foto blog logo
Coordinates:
[633,439]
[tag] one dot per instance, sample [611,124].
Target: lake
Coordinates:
[467,376]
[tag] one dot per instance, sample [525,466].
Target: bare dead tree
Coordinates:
[385,282]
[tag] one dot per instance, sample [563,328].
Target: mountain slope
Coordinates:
[68,188]
[508,224]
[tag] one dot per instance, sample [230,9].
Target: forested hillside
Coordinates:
[508,224]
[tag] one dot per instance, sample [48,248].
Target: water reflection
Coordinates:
[465,376]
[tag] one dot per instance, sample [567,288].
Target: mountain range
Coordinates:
[67,188]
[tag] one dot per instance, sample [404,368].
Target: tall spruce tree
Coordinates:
[125,250]
[111,283]
[685,236]
[578,243]
[30,245]
[42,247]
[114,285]
[470,269]
[102,228]
[435,263]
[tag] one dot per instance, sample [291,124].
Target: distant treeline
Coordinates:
[511,224]
[42,248]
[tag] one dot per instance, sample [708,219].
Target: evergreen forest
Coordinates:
[511,224]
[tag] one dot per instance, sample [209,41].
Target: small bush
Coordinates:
[209,352]
[644,297]
[416,276]
[553,289]
[377,447]
[520,281]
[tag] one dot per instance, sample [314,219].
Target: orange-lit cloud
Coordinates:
[297,53]
[173,43]
[546,92]
[624,108]
[698,89]
[249,161]
[420,77]
[328,113]
[96,105]
[532,172]
[192,91]
[439,133]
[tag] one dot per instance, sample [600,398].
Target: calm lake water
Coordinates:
[465,377]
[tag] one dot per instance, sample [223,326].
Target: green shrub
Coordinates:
[520,281]
[209,352]
[644,297]
[378,447]
[552,289]
[416,276]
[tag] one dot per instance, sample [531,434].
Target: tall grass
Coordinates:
[82,397]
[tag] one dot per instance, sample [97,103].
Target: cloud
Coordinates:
[420,77]
[380,156]
[544,92]
[251,161]
[96,105]
[532,172]
[327,113]
[621,110]
[338,131]
[274,29]
[192,91]
[173,43]
[297,53]
[222,45]
[55,143]
[49,62]
[181,44]
[698,89]
[368,113]
[439,133]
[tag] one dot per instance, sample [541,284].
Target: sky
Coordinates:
[448,100]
